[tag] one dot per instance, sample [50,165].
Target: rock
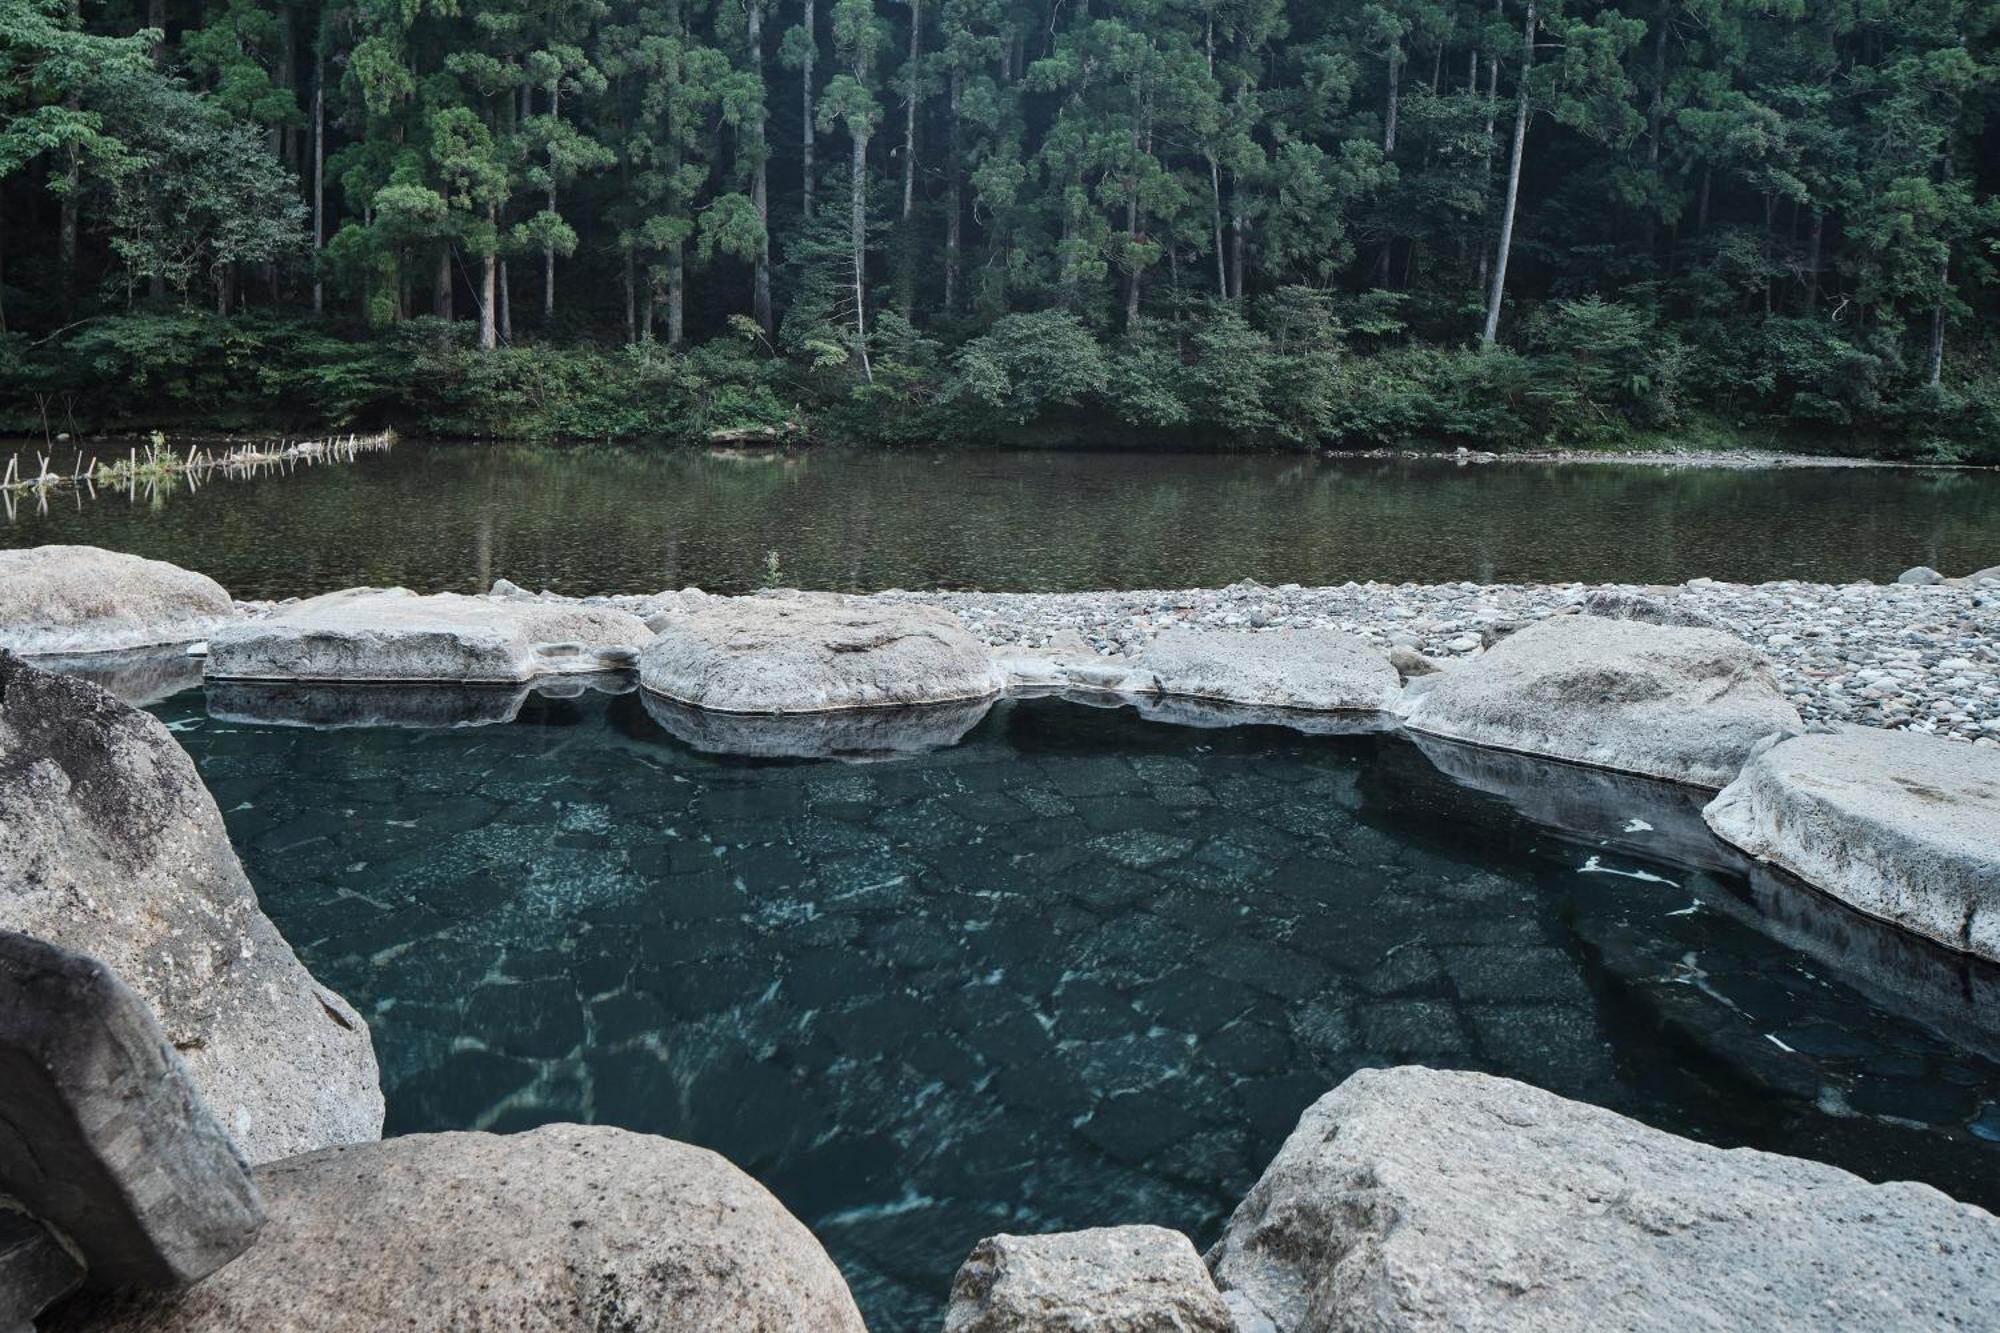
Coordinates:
[1922,576]
[814,653]
[392,634]
[139,676]
[79,599]
[326,706]
[854,735]
[1409,663]
[1136,1279]
[563,1228]
[114,849]
[35,1270]
[1416,1198]
[1617,604]
[1316,670]
[106,1138]
[1682,704]
[1990,574]
[1900,826]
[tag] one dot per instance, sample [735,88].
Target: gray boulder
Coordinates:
[1315,670]
[1417,1198]
[1922,576]
[139,676]
[79,599]
[1901,826]
[1686,705]
[1990,574]
[392,634]
[1619,604]
[811,653]
[106,1139]
[36,1269]
[567,1227]
[116,850]
[1134,1279]
[853,736]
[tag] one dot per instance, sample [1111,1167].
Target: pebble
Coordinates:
[1907,656]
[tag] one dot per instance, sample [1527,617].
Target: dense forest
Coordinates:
[1487,222]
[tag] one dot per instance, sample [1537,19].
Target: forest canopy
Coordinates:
[1487,222]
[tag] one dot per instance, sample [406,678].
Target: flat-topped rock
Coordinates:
[1687,705]
[853,736]
[1312,670]
[1901,826]
[79,599]
[113,848]
[811,653]
[1135,1279]
[1416,1198]
[106,1139]
[392,634]
[567,1227]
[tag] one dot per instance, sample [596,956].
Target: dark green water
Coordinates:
[436,517]
[1078,969]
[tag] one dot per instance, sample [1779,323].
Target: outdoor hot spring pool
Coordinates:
[1079,968]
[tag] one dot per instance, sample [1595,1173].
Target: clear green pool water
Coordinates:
[1078,969]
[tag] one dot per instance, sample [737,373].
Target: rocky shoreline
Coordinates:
[1913,657]
[1406,1198]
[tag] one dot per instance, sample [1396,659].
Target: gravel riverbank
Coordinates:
[1909,657]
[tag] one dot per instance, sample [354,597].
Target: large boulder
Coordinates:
[106,1139]
[567,1227]
[1417,1198]
[1901,826]
[855,736]
[1683,704]
[1320,670]
[1671,609]
[392,634]
[79,599]
[812,653]
[1136,1279]
[113,848]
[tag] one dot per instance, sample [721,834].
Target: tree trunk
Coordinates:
[676,294]
[1236,247]
[506,304]
[1215,218]
[441,304]
[760,179]
[631,281]
[806,99]
[1812,269]
[1936,372]
[858,236]
[66,258]
[288,61]
[489,265]
[910,114]
[954,202]
[1390,107]
[1506,244]
[319,179]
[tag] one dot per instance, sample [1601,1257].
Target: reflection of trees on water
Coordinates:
[596,519]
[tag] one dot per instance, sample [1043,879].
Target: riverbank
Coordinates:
[1901,656]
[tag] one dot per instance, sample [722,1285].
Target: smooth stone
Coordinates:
[1311,670]
[1990,574]
[1617,604]
[1901,826]
[814,652]
[326,706]
[79,599]
[854,735]
[1131,1279]
[116,850]
[36,1269]
[1409,663]
[561,1228]
[1414,1198]
[1922,576]
[392,634]
[106,1138]
[1687,705]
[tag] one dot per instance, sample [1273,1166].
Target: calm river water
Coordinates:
[437,517]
